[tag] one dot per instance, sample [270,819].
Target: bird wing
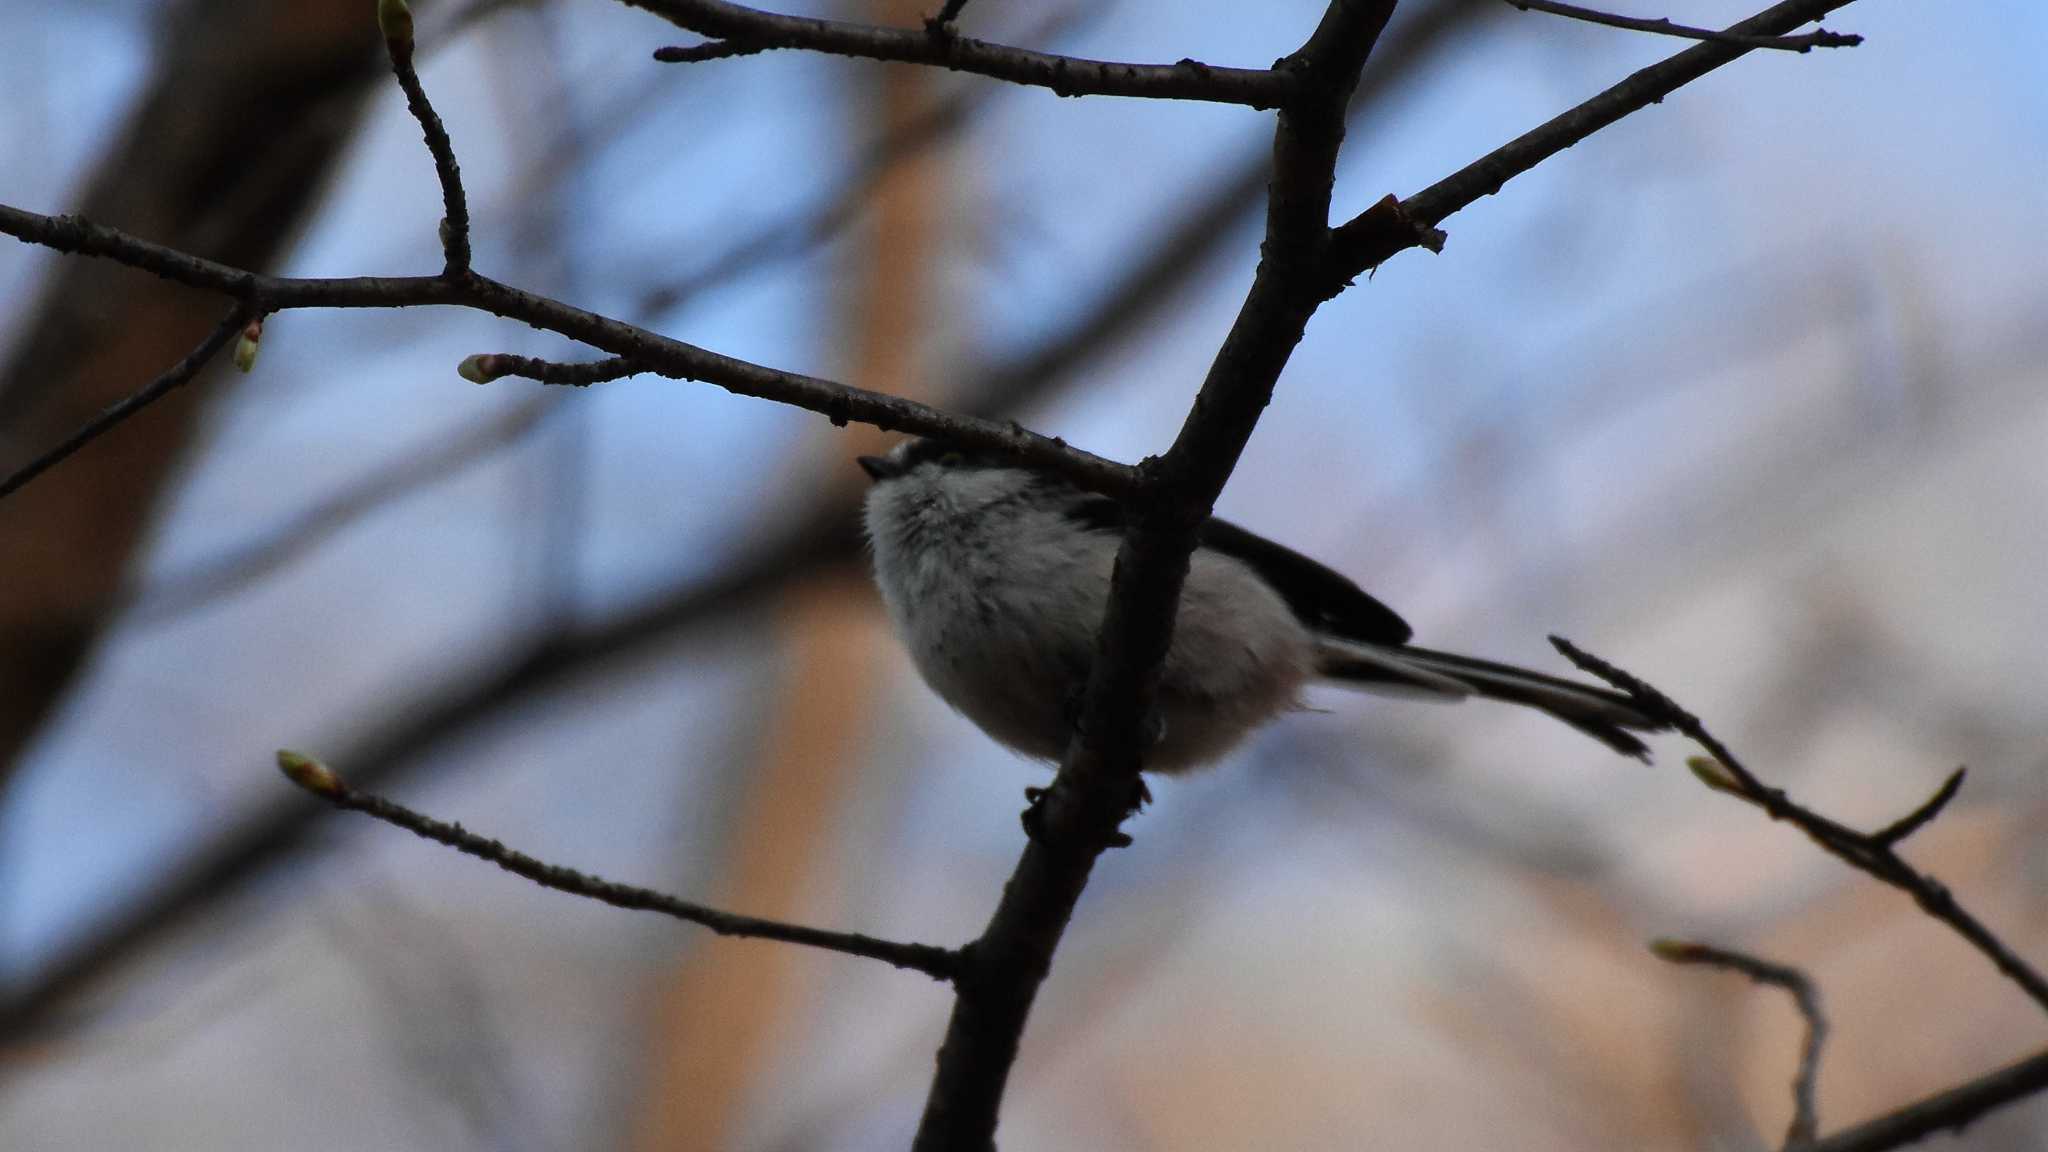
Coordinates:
[1322,598]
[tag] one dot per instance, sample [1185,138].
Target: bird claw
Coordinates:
[1033,816]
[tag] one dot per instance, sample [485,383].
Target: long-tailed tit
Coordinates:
[996,577]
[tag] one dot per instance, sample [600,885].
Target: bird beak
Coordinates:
[879,468]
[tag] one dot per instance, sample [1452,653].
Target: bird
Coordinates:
[996,574]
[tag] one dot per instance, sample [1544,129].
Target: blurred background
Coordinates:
[1746,393]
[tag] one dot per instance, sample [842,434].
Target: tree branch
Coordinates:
[1928,809]
[1871,854]
[940,23]
[1806,997]
[486,367]
[1368,241]
[1947,1111]
[172,378]
[673,358]
[1821,38]
[707,51]
[321,781]
[394,19]
[1079,815]
[1064,75]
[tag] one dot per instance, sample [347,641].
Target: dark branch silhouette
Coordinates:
[1304,262]
[176,376]
[1873,854]
[1805,1110]
[754,30]
[394,19]
[1376,235]
[320,780]
[668,357]
[1805,42]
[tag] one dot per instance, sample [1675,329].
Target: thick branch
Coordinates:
[1002,970]
[1064,75]
[319,780]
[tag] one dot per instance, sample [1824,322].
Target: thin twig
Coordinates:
[1950,1110]
[838,402]
[1374,236]
[1805,996]
[489,366]
[320,780]
[1867,853]
[1804,42]
[1929,808]
[941,22]
[396,20]
[709,50]
[389,747]
[172,378]
[1064,75]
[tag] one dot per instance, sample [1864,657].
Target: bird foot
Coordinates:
[1033,816]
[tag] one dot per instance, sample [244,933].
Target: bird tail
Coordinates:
[1605,715]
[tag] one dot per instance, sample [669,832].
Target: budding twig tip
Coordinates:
[308,773]
[394,19]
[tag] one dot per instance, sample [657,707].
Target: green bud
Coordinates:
[394,19]
[1715,775]
[308,773]
[479,369]
[1676,951]
[245,348]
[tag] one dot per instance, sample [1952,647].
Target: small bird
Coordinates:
[996,577]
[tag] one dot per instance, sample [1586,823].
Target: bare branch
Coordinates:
[1867,853]
[673,358]
[395,18]
[1806,42]
[397,745]
[941,22]
[172,378]
[709,50]
[1064,75]
[1918,818]
[1806,997]
[489,366]
[318,779]
[1947,1111]
[1094,789]
[1367,241]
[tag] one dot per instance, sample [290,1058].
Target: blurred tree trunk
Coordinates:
[228,146]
